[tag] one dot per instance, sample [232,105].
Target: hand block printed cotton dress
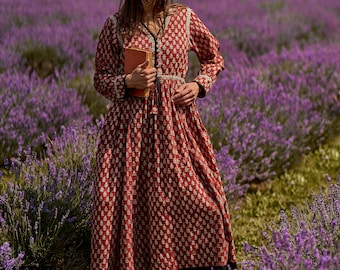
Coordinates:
[158,197]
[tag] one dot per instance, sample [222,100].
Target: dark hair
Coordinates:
[130,14]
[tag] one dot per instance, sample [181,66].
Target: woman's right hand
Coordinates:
[141,77]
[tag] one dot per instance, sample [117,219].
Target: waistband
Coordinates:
[171,77]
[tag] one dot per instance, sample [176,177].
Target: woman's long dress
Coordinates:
[158,197]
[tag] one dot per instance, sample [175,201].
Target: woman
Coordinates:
[158,197]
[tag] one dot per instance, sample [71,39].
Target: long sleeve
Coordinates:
[207,49]
[109,75]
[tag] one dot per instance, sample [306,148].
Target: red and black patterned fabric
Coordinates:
[158,198]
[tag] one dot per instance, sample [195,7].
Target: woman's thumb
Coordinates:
[144,65]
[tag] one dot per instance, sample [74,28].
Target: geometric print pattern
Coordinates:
[158,196]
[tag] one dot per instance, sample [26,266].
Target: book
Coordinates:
[133,58]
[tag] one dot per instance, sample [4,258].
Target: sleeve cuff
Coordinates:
[127,90]
[202,92]
[204,81]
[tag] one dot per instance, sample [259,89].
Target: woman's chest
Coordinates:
[170,51]
[171,42]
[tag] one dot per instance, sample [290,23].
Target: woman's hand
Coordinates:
[141,77]
[186,94]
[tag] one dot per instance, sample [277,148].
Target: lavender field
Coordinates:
[277,100]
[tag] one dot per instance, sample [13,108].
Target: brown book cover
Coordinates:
[133,58]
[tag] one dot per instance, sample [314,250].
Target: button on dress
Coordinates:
[158,202]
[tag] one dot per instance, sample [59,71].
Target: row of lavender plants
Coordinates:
[276,100]
[279,95]
[268,114]
[46,53]
[256,27]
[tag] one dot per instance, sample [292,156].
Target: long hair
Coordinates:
[130,14]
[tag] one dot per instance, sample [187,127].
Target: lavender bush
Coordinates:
[7,262]
[45,205]
[30,107]
[97,104]
[308,240]
[268,114]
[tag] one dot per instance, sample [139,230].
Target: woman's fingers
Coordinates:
[186,94]
[143,77]
[149,72]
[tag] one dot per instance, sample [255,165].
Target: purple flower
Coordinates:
[59,195]
[7,261]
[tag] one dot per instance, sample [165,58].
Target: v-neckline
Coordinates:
[155,35]
[161,30]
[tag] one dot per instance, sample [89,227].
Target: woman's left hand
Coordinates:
[186,94]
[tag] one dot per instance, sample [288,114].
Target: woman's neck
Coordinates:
[154,22]
[149,15]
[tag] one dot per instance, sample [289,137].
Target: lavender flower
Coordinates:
[7,261]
